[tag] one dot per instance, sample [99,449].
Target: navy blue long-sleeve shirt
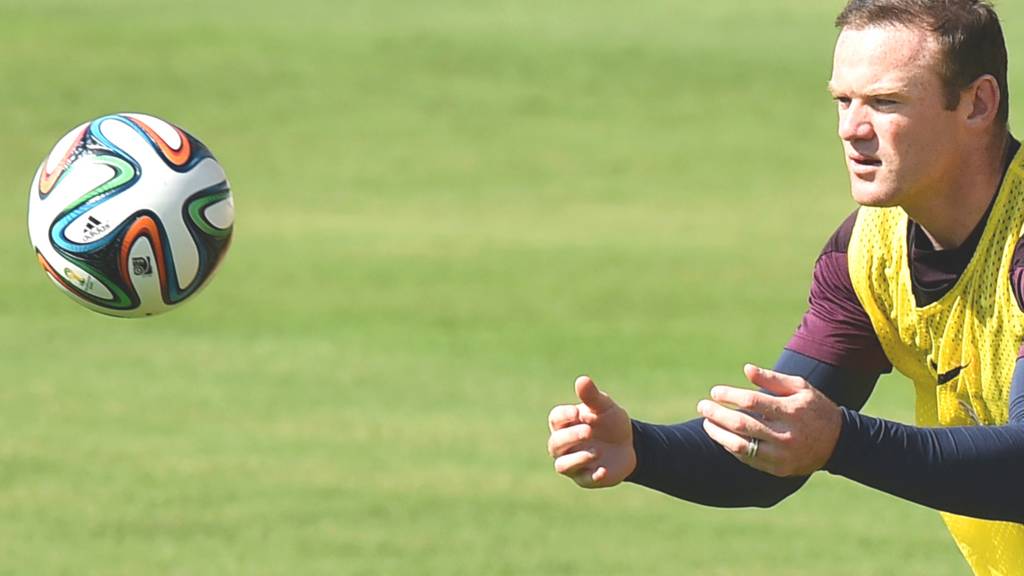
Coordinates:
[971,470]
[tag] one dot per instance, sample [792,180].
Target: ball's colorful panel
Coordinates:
[59,158]
[172,143]
[171,135]
[145,268]
[213,211]
[97,292]
[144,228]
[86,222]
[86,282]
[221,214]
[87,175]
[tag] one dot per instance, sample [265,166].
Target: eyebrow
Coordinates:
[877,92]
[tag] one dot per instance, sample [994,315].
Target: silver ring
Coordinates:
[752,446]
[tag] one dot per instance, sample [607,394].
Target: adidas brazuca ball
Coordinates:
[130,215]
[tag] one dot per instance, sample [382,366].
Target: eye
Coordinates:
[842,101]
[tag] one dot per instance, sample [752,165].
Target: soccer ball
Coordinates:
[130,215]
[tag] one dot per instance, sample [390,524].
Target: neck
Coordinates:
[949,213]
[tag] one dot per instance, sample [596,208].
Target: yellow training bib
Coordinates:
[960,351]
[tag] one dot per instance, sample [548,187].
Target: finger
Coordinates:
[572,463]
[568,439]
[774,382]
[749,400]
[589,394]
[733,443]
[734,421]
[591,477]
[562,416]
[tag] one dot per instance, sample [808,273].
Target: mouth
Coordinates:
[861,161]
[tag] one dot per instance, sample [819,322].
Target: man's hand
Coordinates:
[795,425]
[591,442]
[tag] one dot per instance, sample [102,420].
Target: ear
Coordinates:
[981,101]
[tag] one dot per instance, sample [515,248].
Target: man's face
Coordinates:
[899,140]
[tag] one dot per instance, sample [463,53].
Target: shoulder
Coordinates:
[835,329]
[839,242]
[831,280]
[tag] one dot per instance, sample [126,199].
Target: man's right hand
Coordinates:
[592,442]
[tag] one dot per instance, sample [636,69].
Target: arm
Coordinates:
[975,471]
[683,461]
[972,470]
[593,442]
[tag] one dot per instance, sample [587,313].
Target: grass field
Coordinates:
[446,211]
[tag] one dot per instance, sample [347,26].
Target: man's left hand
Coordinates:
[795,426]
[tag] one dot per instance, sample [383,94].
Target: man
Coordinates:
[927,276]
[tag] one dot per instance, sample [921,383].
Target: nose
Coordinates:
[855,122]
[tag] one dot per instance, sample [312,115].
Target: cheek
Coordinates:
[923,137]
[905,143]
[895,133]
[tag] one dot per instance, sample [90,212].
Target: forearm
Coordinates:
[683,461]
[974,471]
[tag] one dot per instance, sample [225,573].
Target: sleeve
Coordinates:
[974,471]
[835,329]
[683,461]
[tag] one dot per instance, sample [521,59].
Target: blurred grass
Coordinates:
[446,211]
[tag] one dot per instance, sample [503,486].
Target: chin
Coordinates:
[871,194]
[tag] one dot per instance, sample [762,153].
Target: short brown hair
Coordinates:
[968,34]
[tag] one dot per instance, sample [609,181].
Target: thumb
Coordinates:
[590,395]
[773,382]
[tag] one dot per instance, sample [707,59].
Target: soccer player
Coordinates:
[927,276]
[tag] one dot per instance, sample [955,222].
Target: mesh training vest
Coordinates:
[959,351]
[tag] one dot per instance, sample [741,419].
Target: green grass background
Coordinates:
[446,211]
